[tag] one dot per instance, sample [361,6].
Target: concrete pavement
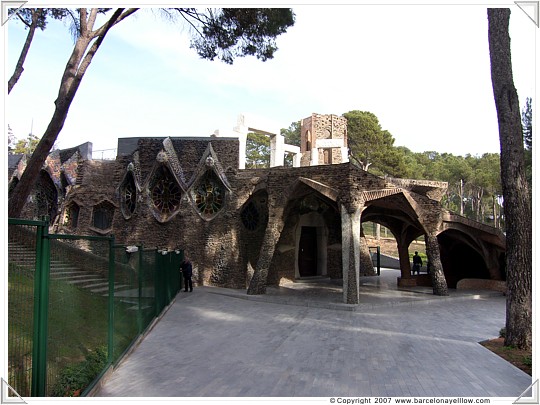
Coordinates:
[299,340]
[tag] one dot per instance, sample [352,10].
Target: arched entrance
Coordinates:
[311,246]
[307,252]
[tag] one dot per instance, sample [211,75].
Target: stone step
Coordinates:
[83,281]
[67,274]
[117,287]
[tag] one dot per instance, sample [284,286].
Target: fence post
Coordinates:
[41,310]
[139,312]
[110,353]
[378,260]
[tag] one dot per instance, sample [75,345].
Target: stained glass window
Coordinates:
[209,195]
[165,191]
[128,195]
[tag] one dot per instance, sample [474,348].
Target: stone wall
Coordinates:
[259,205]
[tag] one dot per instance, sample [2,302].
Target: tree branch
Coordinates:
[92,19]
[117,17]
[19,69]
[83,26]
[23,20]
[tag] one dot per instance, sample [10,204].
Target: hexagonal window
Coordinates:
[102,215]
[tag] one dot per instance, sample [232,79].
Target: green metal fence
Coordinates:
[76,304]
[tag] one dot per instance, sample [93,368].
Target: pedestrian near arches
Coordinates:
[187,272]
[417,263]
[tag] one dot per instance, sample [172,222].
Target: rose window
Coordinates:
[166,193]
[250,216]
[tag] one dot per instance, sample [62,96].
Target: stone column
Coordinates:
[242,140]
[434,257]
[344,154]
[404,260]
[297,159]
[258,282]
[350,251]
[314,157]
[277,151]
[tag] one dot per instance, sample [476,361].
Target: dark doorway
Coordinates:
[307,252]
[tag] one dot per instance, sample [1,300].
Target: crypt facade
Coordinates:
[251,228]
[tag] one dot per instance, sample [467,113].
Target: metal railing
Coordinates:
[76,304]
[375,253]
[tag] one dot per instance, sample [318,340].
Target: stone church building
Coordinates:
[251,228]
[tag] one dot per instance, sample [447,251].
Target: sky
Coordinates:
[422,69]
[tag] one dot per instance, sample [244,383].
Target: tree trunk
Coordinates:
[76,67]
[36,13]
[517,207]
[17,200]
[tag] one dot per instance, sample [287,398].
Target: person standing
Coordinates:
[187,272]
[417,263]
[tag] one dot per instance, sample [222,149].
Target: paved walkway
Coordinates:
[299,340]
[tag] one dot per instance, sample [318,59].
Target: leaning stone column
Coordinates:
[257,284]
[434,256]
[404,260]
[350,250]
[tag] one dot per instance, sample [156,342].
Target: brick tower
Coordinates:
[323,140]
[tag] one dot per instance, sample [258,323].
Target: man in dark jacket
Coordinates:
[417,263]
[187,271]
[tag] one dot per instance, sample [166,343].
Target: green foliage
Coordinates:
[292,134]
[26,146]
[26,15]
[74,379]
[369,144]
[257,151]
[292,137]
[502,333]
[232,32]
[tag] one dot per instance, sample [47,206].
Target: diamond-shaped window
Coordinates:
[208,195]
[165,193]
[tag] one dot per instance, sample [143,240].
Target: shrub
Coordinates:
[74,379]
[502,333]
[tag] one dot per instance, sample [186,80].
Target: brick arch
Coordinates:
[461,257]
[397,213]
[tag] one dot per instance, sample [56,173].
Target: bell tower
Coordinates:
[323,140]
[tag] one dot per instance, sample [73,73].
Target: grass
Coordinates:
[77,327]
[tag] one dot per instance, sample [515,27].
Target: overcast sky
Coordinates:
[422,69]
